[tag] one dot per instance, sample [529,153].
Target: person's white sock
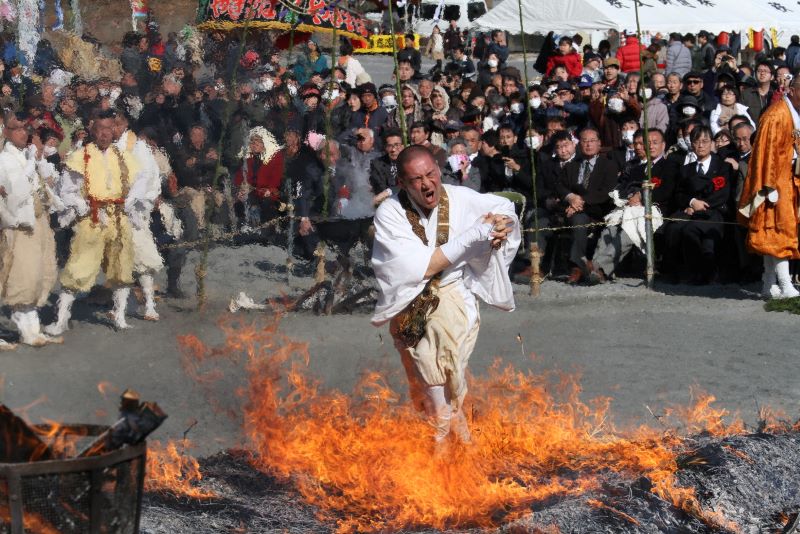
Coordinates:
[785,280]
[769,280]
[440,412]
[61,325]
[120,304]
[20,319]
[146,281]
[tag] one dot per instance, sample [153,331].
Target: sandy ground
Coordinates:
[636,346]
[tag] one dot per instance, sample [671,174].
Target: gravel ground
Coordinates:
[637,346]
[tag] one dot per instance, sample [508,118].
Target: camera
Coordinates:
[727,58]
[505,151]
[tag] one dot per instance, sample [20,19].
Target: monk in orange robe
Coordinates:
[769,200]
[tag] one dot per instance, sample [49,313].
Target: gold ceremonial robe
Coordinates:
[102,237]
[772,227]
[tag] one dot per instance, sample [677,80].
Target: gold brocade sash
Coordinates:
[412,321]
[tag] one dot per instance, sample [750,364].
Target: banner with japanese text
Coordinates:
[302,15]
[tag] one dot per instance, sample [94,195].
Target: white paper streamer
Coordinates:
[27,28]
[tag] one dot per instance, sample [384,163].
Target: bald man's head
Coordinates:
[420,176]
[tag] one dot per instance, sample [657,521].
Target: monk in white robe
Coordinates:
[470,240]
[27,246]
[139,206]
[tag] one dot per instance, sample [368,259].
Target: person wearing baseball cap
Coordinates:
[611,73]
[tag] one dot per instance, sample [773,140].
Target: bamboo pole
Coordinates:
[77,20]
[535,253]
[396,78]
[201,269]
[647,186]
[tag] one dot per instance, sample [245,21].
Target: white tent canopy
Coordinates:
[665,16]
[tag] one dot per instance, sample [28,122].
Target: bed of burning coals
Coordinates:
[542,459]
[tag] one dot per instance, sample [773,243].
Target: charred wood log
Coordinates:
[137,421]
[18,441]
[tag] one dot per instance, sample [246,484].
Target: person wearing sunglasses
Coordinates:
[693,86]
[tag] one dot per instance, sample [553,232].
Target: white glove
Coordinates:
[772,196]
[458,249]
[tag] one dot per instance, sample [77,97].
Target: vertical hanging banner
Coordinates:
[138,11]
[28,28]
[302,15]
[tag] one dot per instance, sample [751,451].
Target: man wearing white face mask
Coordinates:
[388,95]
[703,102]
[535,101]
[624,154]
[682,152]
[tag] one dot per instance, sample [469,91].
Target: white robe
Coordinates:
[400,258]
[632,219]
[145,186]
[21,177]
[139,205]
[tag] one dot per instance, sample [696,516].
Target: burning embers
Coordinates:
[365,460]
[21,442]
[59,478]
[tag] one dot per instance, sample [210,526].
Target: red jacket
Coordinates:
[571,61]
[267,178]
[628,55]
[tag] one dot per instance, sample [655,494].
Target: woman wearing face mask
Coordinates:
[535,103]
[609,109]
[487,70]
[657,112]
[687,108]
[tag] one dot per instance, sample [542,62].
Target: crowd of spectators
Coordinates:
[251,128]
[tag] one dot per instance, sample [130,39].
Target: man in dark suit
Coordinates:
[614,243]
[747,266]
[383,170]
[550,164]
[584,187]
[665,172]
[703,194]
[625,153]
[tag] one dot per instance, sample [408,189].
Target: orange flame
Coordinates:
[105,387]
[367,462]
[173,471]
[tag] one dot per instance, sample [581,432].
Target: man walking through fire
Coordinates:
[437,248]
